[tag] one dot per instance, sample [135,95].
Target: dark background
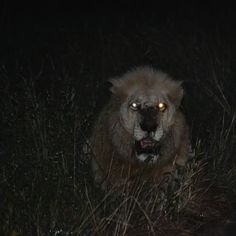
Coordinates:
[31,17]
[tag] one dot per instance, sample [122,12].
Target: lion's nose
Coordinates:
[149,119]
[148,125]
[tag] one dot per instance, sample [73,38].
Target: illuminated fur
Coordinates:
[132,137]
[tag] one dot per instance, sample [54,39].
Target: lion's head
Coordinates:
[146,105]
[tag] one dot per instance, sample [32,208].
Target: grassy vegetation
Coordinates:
[52,91]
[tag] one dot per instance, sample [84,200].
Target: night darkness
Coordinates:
[55,60]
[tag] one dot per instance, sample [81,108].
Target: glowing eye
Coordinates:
[134,106]
[162,106]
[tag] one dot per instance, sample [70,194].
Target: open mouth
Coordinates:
[147,150]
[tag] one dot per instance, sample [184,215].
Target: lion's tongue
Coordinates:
[147,143]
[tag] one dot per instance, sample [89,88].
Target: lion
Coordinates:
[141,131]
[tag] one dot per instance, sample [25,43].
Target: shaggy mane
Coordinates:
[147,77]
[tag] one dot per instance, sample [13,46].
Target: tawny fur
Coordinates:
[112,138]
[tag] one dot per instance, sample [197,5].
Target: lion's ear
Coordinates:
[116,84]
[176,93]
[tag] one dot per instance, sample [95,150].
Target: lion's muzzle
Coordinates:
[147,149]
[149,119]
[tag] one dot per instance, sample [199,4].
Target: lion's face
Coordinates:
[147,116]
[146,112]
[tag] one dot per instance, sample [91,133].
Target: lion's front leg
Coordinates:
[98,175]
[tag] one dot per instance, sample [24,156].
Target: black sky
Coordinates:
[26,23]
[22,15]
